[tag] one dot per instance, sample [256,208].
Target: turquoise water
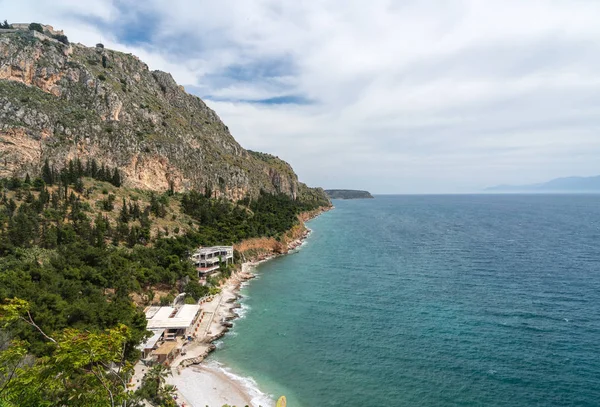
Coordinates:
[482,300]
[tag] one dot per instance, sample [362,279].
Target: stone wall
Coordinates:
[25,27]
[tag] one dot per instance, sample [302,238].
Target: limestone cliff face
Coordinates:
[59,102]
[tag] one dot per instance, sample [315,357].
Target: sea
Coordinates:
[466,300]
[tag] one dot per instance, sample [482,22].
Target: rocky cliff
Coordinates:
[62,101]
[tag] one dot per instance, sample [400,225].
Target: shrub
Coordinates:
[36,27]
[5,25]
[62,38]
[102,77]
[167,300]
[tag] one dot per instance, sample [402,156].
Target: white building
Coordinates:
[207,259]
[151,343]
[179,321]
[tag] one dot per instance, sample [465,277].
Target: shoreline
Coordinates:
[201,384]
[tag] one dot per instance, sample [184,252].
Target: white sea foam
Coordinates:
[257,397]
[303,243]
[231,333]
[242,311]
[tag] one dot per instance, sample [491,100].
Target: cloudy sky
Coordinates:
[392,96]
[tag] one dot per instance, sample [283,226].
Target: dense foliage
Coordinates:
[77,264]
[75,170]
[81,369]
[222,221]
[36,27]
[61,38]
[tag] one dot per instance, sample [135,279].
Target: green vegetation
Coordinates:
[5,25]
[61,38]
[36,99]
[75,265]
[154,388]
[75,170]
[36,27]
[347,194]
[224,222]
[91,366]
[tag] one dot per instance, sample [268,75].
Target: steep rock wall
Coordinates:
[59,102]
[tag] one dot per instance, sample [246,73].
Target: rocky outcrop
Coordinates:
[60,101]
[262,248]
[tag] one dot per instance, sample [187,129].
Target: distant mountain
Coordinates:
[567,184]
[348,194]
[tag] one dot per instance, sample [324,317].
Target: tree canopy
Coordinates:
[69,271]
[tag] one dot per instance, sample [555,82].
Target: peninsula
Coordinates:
[348,194]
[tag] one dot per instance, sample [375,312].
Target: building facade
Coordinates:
[208,259]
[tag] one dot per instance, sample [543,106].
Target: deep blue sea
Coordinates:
[482,300]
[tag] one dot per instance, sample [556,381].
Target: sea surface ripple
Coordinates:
[483,300]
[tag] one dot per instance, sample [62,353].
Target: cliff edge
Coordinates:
[61,101]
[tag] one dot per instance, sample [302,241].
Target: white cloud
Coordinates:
[409,96]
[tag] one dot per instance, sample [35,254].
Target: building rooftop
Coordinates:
[208,250]
[166,348]
[151,342]
[171,318]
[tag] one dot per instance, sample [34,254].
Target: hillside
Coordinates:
[65,101]
[566,184]
[80,258]
[347,194]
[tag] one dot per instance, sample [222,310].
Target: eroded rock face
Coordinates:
[59,102]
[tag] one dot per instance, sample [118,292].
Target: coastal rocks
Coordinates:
[197,359]
[228,302]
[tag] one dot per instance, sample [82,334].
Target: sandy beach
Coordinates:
[202,384]
[207,384]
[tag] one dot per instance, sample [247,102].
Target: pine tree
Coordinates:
[94,169]
[55,200]
[116,178]
[71,177]
[101,174]
[27,179]
[79,185]
[11,206]
[79,172]
[47,173]
[88,168]
[124,215]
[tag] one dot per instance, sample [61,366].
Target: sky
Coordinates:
[415,96]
